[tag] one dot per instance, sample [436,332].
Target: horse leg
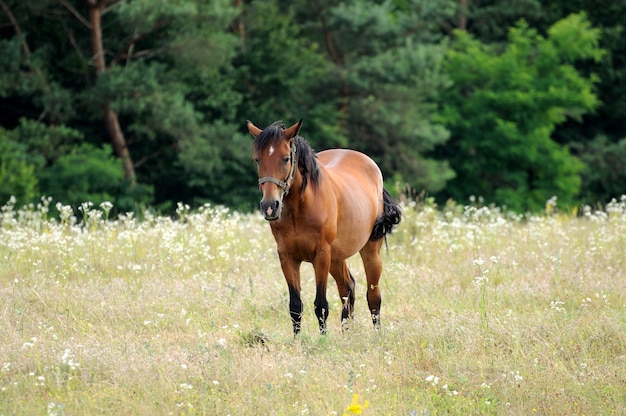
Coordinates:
[373,265]
[345,285]
[291,270]
[321,265]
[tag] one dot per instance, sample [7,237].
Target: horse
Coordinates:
[323,208]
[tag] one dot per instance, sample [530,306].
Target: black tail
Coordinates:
[391,216]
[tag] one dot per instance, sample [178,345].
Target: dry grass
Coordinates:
[483,313]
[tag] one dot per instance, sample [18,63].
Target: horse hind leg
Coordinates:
[373,265]
[345,285]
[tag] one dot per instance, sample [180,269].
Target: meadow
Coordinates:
[484,313]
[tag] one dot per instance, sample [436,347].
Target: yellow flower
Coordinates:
[355,408]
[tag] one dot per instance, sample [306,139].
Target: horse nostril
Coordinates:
[270,209]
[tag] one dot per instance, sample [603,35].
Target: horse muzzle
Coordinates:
[271,209]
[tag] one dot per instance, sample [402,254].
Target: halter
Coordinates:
[286,185]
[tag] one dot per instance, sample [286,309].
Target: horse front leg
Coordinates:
[291,270]
[295,308]
[321,265]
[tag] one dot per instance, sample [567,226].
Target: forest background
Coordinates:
[144,102]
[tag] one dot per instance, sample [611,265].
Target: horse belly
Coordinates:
[358,184]
[354,227]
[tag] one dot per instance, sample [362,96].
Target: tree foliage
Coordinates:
[160,91]
[604,174]
[503,108]
[17,176]
[86,173]
[386,61]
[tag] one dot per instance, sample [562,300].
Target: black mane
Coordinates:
[307,163]
[307,159]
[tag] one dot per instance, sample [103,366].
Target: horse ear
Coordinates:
[292,131]
[254,130]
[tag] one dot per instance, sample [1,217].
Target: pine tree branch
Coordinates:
[124,52]
[16,26]
[76,13]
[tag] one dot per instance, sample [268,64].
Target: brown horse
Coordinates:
[323,208]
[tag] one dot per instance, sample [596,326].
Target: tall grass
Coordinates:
[483,313]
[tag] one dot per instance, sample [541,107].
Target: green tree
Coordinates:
[490,20]
[150,72]
[85,174]
[280,74]
[604,175]
[176,50]
[503,108]
[386,61]
[598,139]
[608,119]
[17,176]
[73,171]
[284,75]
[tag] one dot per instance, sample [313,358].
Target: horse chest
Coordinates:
[301,241]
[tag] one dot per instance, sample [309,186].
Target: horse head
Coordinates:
[274,153]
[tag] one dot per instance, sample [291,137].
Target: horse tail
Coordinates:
[392,214]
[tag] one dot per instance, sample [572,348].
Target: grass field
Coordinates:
[483,314]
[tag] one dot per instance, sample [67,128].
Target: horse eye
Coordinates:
[286,160]
[256,160]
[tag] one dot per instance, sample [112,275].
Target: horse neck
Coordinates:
[296,198]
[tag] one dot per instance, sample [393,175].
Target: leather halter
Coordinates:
[286,184]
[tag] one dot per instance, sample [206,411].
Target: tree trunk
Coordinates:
[111,121]
[239,26]
[463,14]
[338,61]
